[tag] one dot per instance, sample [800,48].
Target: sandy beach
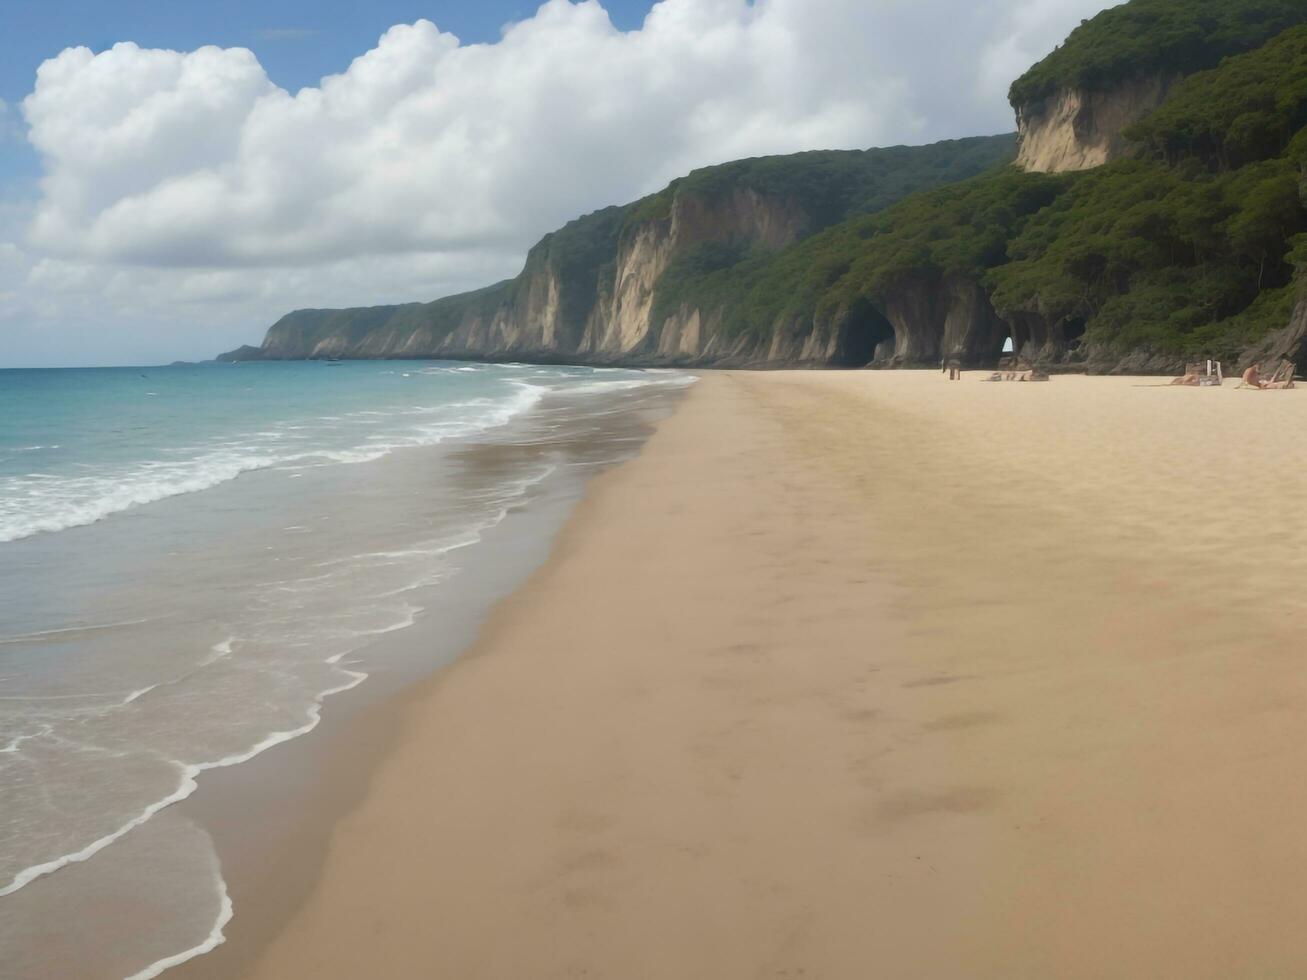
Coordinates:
[867,674]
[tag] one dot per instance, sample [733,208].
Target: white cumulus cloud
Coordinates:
[430,165]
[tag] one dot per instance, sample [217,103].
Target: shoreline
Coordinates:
[316,584]
[270,817]
[270,873]
[856,702]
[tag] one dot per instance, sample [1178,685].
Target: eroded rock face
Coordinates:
[623,322]
[924,319]
[939,318]
[1044,340]
[1289,344]
[547,314]
[540,315]
[1076,130]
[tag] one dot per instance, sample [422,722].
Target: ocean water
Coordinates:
[193,560]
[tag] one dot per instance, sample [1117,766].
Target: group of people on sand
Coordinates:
[954,371]
[1252,378]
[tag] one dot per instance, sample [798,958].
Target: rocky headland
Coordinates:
[1147,212]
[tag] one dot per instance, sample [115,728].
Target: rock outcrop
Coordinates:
[1073,129]
[1288,344]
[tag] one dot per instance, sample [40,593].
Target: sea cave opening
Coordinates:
[1073,328]
[864,335]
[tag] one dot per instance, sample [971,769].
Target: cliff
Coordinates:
[1075,129]
[594,291]
[1118,66]
[1156,217]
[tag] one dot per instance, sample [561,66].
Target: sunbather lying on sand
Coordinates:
[1188,379]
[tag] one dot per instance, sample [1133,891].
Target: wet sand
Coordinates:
[270,819]
[867,674]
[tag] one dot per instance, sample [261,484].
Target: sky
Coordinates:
[174,177]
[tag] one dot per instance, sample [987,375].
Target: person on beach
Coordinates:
[1253,376]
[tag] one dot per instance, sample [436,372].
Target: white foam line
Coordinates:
[136,694]
[434,579]
[461,541]
[42,634]
[28,875]
[218,651]
[20,739]
[215,939]
[155,480]
[189,771]
[133,490]
[597,387]
[185,788]
[411,617]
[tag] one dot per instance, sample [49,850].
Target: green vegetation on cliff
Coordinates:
[1192,249]
[1158,258]
[1150,37]
[959,229]
[832,185]
[825,187]
[1246,110]
[300,333]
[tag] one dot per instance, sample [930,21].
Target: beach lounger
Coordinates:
[1202,375]
[1283,376]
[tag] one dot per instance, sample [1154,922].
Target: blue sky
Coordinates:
[196,180]
[297,41]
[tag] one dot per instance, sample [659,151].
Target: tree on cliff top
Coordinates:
[1245,110]
[1152,37]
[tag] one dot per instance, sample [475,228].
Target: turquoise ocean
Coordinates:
[193,560]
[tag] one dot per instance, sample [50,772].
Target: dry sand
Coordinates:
[869,675]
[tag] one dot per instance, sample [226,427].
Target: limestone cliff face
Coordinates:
[605,288]
[590,292]
[921,320]
[623,322]
[943,318]
[1076,130]
[560,308]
